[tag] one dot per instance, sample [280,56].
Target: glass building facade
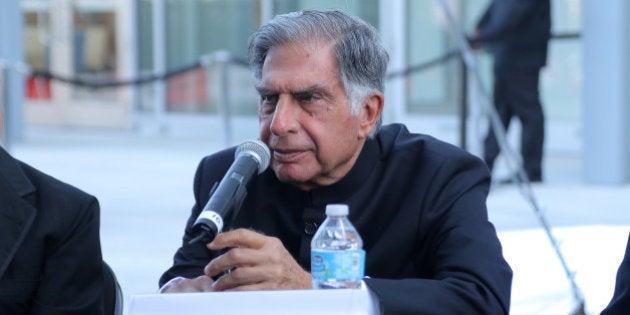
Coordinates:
[199,27]
[196,28]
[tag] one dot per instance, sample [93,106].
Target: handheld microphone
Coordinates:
[251,156]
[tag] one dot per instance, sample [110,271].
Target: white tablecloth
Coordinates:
[304,302]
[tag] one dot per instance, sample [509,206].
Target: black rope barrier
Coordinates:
[425,65]
[566,35]
[144,79]
[97,83]
[455,53]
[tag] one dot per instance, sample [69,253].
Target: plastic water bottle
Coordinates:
[337,255]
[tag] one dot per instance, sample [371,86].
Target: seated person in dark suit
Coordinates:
[418,203]
[620,302]
[50,252]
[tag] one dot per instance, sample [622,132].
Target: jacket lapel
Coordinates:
[16,212]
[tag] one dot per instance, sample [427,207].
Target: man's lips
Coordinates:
[288,156]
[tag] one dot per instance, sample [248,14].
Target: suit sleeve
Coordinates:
[485,17]
[620,302]
[466,271]
[74,263]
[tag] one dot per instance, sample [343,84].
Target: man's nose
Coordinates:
[285,116]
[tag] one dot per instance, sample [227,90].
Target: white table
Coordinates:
[304,302]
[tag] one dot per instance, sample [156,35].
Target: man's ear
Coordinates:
[371,110]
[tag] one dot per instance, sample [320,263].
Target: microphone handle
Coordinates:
[228,195]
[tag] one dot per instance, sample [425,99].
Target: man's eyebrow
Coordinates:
[264,91]
[315,89]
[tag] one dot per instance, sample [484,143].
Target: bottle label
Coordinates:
[338,265]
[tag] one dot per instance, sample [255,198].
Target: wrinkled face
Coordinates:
[305,116]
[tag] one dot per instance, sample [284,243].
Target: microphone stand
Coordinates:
[513,160]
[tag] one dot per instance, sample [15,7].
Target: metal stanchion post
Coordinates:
[159,64]
[3,105]
[3,139]
[222,59]
[463,105]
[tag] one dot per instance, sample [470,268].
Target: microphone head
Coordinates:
[258,150]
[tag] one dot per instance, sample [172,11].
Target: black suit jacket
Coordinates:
[50,254]
[517,32]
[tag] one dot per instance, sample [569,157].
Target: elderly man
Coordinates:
[418,203]
[50,250]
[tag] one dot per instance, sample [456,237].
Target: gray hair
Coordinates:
[362,58]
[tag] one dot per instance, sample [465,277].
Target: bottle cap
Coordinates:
[337,209]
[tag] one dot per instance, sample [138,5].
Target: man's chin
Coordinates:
[293,178]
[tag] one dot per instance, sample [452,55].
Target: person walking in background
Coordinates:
[50,251]
[517,32]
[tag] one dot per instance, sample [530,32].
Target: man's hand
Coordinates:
[254,262]
[473,40]
[183,285]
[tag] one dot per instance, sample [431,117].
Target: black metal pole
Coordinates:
[463,104]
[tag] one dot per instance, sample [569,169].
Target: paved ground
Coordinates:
[144,184]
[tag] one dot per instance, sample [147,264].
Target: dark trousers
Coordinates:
[516,94]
